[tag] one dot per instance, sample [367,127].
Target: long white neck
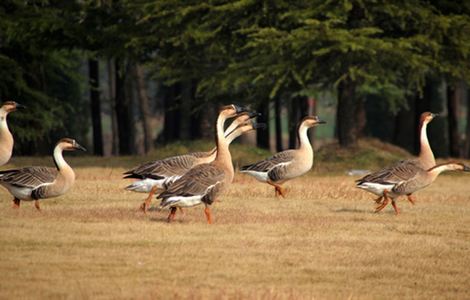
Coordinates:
[425,154]
[231,127]
[59,160]
[222,145]
[303,138]
[434,172]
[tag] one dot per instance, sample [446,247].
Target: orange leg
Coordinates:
[411,198]
[384,202]
[397,211]
[279,190]
[36,204]
[378,200]
[207,211]
[146,204]
[171,216]
[16,203]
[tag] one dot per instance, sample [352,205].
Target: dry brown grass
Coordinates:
[323,241]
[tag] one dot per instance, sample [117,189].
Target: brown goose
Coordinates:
[35,183]
[156,175]
[201,184]
[403,170]
[6,139]
[287,164]
[419,181]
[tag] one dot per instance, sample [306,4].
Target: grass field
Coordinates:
[324,242]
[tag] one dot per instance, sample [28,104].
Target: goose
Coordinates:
[419,181]
[157,175]
[36,183]
[287,164]
[6,139]
[404,169]
[203,183]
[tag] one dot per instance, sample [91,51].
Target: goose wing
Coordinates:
[30,177]
[168,167]
[203,180]
[401,171]
[266,165]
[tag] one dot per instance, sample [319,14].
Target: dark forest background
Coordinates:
[124,77]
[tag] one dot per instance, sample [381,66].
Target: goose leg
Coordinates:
[36,204]
[171,216]
[207,211]
[397,211]
[16,203]
[146,204]
[279,190]
[378,200]
[411,198]
[384,202]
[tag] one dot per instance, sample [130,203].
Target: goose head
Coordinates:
[311,121]
[229,111]
[240,120]
[10,106]
[427,117]
[251,125]
[68,144]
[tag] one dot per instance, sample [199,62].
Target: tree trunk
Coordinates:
[123,111]
[144,106]
[346,124]
[294,118]
[452,109]
[262,136]
[361,118]
[93,73]
[171,127]
[185,110]
[112,101]
[467,131]
[406,119]
[278,124]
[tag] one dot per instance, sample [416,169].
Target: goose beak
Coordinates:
[321,122]
[240,109]
[79,147]
[20,106]
[253,114]
[434,115]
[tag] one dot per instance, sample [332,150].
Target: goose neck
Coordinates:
[304,142]
[59,160]
[425,154]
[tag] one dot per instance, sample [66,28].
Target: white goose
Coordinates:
[202,184]
[6,138]
[36,183]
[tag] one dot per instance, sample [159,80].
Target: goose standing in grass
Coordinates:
[6,139]
[380,181]
[419,181]
[36,183]
[156,176]
[287,164]
[202,184]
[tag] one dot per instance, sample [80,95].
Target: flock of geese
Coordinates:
[198,178]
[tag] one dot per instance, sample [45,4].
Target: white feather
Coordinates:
[260,176]
[375,188]
[181,201]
